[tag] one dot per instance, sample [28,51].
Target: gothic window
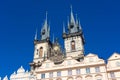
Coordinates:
[73,45]
[41,52]
[97,69]
[42,76]
[87,70]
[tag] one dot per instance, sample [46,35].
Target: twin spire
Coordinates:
[45,31]
[72,20]
[73,27]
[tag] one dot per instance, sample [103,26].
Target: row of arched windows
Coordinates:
[88,77]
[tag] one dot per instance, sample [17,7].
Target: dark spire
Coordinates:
[45,31]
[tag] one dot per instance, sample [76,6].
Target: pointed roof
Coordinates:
[53,39]
[80,28]
[13,75]
[49,31]
[77,22]
[91,54]
[114,56]
[36,35]
[45,31]
[45,23]
[73,25]
[63,28]
[72,20]
[21,70]
[68,23]
[5,78]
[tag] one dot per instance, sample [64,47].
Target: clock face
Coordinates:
[56,48]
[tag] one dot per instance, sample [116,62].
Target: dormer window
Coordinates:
[72,45]
[43,32]
[71,26]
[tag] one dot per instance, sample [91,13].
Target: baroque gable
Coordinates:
[114,56]
[92,58]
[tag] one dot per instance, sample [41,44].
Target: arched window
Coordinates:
[78,78]
[88,77]
[72,45]
[70,78]
[41,52]
[98,77]
[58,79]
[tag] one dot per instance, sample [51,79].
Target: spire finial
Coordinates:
[80,26]
[63,28]
[72,17]
[49,31]
[53,38]
[44,30]
[68,22]
[71,7]
[46,15]
[36,35]
[76,20]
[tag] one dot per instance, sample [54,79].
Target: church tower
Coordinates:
[73,38]
[42,46]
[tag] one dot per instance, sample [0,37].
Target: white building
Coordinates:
[51,62]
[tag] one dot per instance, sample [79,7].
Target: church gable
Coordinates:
[114,56]
[91,55]
[90,58]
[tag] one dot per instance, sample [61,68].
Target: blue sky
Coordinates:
[100,20]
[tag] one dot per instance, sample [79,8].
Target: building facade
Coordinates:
[51,62]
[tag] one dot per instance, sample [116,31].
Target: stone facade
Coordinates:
[91,68]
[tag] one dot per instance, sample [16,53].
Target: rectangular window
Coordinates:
[112,74]
[69,72]
[77,71]
[50,74]
[97,69]
[42,76]
[59,73]
[87,70]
